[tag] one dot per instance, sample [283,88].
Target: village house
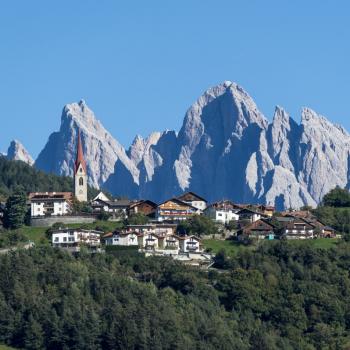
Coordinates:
[190,244]
[194,200]
[161,229]
[121,238]
[250,215]
[267,210]
[148,241]
[174,210]
[50,203]
[145,207]
[223,211]
[328,232]
[117,207]
[171,242]
[260,229]
[295,228]
[102,197]
[320,230]
[74,239]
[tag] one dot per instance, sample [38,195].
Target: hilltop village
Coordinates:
[162,228]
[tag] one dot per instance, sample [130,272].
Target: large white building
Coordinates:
[50,203]
[73,239]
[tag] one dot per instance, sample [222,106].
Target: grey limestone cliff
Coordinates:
[226,148]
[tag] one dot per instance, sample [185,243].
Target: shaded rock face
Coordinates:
[16,151]
[101,150]
[225,149]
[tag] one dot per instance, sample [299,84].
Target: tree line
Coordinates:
[281,296]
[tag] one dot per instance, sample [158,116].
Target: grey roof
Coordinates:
[284,218]
[122,203]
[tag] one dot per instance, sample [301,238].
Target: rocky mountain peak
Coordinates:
[101,150]
[140,146]
[16,151]
[225,149]
[280,116]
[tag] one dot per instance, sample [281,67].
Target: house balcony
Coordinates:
[192,248]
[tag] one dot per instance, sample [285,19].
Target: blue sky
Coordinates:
[140,64]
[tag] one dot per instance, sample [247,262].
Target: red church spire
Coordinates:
[80,155]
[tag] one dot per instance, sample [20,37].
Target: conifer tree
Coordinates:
[16,209]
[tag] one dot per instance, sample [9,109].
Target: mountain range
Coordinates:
[226,148]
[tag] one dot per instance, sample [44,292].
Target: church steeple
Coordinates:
[80,173]
[80,155]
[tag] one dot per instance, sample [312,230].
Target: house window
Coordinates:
[56,239]
[81,181]
[64,239]
[81,170]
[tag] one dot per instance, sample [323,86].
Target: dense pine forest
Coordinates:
[280,296]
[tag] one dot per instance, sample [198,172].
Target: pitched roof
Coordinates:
[101,196]
[80,155]
[296,222]
[182,238]
[142,201]
[178,201]
[226,204]
[246,210]
[191,196]
[50,195]
[121,203]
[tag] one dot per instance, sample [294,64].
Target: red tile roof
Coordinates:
[80,155]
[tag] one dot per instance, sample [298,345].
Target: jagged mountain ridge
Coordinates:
[226,148]
[101,150]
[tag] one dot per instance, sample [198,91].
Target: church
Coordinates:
[80,173]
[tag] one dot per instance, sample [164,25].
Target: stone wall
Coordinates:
[49,221]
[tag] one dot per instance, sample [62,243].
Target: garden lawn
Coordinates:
[35,234]
[230,247]
[323,243]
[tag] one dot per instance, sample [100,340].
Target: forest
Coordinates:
[14,174]
[280,296]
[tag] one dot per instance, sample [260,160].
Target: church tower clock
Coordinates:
[80,174]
